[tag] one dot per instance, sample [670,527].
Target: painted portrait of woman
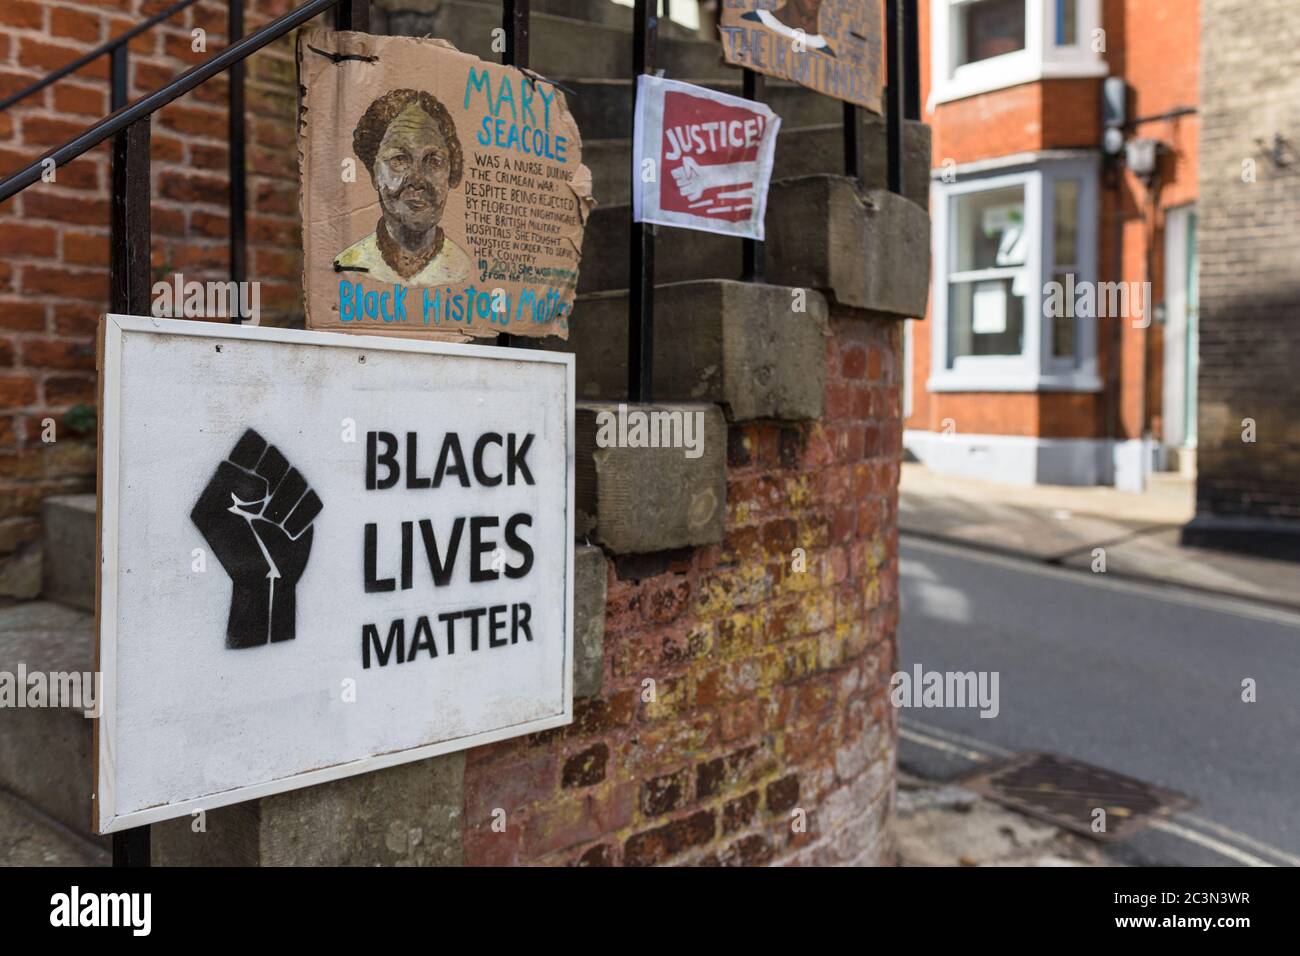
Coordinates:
[407,142]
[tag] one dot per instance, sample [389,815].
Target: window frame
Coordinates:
[1035,368]
[1040,59]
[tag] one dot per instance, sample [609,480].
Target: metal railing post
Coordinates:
[850,140]
[352,15]
[911,61]
[130,228]
[130,240]
[894,58]
[119,77]
[752,88]
[641,265]
[514,20]
[238,168]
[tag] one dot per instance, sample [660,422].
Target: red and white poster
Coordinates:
[701,159]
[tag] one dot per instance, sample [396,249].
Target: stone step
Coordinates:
[759,350]
[799,152]
[632,499]
[603,108]
[68,573]
[868,248]
[604,12]
[30,838]
[557,44]
[46,752]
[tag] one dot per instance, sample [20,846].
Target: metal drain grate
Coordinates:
[1066,792]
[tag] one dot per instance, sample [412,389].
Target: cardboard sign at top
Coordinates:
[831,46]
[443,196]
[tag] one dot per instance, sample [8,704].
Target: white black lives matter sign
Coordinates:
[322,555]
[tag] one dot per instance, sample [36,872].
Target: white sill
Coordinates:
[1014,69]
[975,381]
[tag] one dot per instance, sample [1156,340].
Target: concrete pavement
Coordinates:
[1066,525]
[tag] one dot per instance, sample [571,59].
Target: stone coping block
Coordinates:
[68,568]
[873,164]
[590,572]
[758,349]
[408,815]
[638,500]
[870,249]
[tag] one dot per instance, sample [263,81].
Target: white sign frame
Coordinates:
[106,819]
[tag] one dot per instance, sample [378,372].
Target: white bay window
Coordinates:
[1002,239]
[983,45]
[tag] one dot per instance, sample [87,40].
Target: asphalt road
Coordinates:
[1139,679]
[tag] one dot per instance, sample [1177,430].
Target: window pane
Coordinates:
[991,28]
[1066,232]
[986,317]
[1067,22]
[1063,321]
[990,230]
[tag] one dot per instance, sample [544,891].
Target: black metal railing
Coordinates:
[129,127]
[117,50]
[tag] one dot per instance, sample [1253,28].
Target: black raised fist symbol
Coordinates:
[256,515]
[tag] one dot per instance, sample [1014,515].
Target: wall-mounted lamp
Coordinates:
[1141,156]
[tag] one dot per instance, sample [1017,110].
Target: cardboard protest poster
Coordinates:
[831,46]
[442,196]
[711,155]
[308,575]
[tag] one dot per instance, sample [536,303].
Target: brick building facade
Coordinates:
[1248,480]
[1004,384]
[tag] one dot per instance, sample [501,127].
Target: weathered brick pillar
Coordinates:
[769,736]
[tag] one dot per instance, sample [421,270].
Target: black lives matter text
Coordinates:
[433,549]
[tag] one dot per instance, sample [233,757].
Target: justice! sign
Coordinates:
[704,159]
[322,555]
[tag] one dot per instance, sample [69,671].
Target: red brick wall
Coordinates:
[1045,414]
[1158,56]
[772,685]
[1053,114]
[54,236]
